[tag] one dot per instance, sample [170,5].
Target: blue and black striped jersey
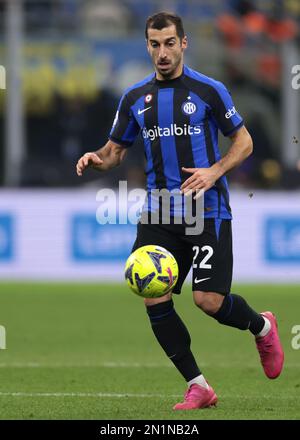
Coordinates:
[179,121]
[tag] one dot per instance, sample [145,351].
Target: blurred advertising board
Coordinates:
[54,235]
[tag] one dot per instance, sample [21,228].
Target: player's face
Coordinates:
[166,51]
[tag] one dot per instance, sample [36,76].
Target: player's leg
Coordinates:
[212,275]
[231,310]
[167,326]
[172,335]
[234,311]
[174,338]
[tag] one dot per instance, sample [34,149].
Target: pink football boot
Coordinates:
[197,397]
[270,349]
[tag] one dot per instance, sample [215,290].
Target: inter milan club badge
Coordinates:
[188,108]
[148,98]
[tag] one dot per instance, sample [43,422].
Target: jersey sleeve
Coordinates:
[223,110]
[125,128]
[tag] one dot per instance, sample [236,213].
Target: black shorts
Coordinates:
[209,253]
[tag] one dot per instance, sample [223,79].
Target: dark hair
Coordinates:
[162,20]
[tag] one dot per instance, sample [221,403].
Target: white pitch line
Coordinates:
[23,394]
[126,365]
[142,396]
[101,365]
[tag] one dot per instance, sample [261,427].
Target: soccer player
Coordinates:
[179,112]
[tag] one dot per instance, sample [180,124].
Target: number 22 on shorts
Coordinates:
[208,253]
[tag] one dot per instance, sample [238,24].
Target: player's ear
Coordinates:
[184,42]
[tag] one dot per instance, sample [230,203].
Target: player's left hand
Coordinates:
[200,181]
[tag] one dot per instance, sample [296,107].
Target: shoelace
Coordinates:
[192,393]
[264,348]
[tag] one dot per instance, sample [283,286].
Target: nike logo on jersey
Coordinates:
[144,110]
[196,281]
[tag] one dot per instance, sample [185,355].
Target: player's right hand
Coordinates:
[88,160]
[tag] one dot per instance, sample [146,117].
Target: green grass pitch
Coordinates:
[86,351]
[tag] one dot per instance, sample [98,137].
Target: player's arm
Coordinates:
[231,124]
[204,178]
[107,157]
[241,147]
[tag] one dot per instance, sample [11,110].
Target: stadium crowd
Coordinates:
[63,122]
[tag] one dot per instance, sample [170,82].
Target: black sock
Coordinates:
[174,338]
[235,312]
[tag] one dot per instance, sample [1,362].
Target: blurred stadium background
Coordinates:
[67,62]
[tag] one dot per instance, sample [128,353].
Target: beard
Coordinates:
[169,69]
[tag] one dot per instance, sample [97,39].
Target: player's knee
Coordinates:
[209,302]
[153,301]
